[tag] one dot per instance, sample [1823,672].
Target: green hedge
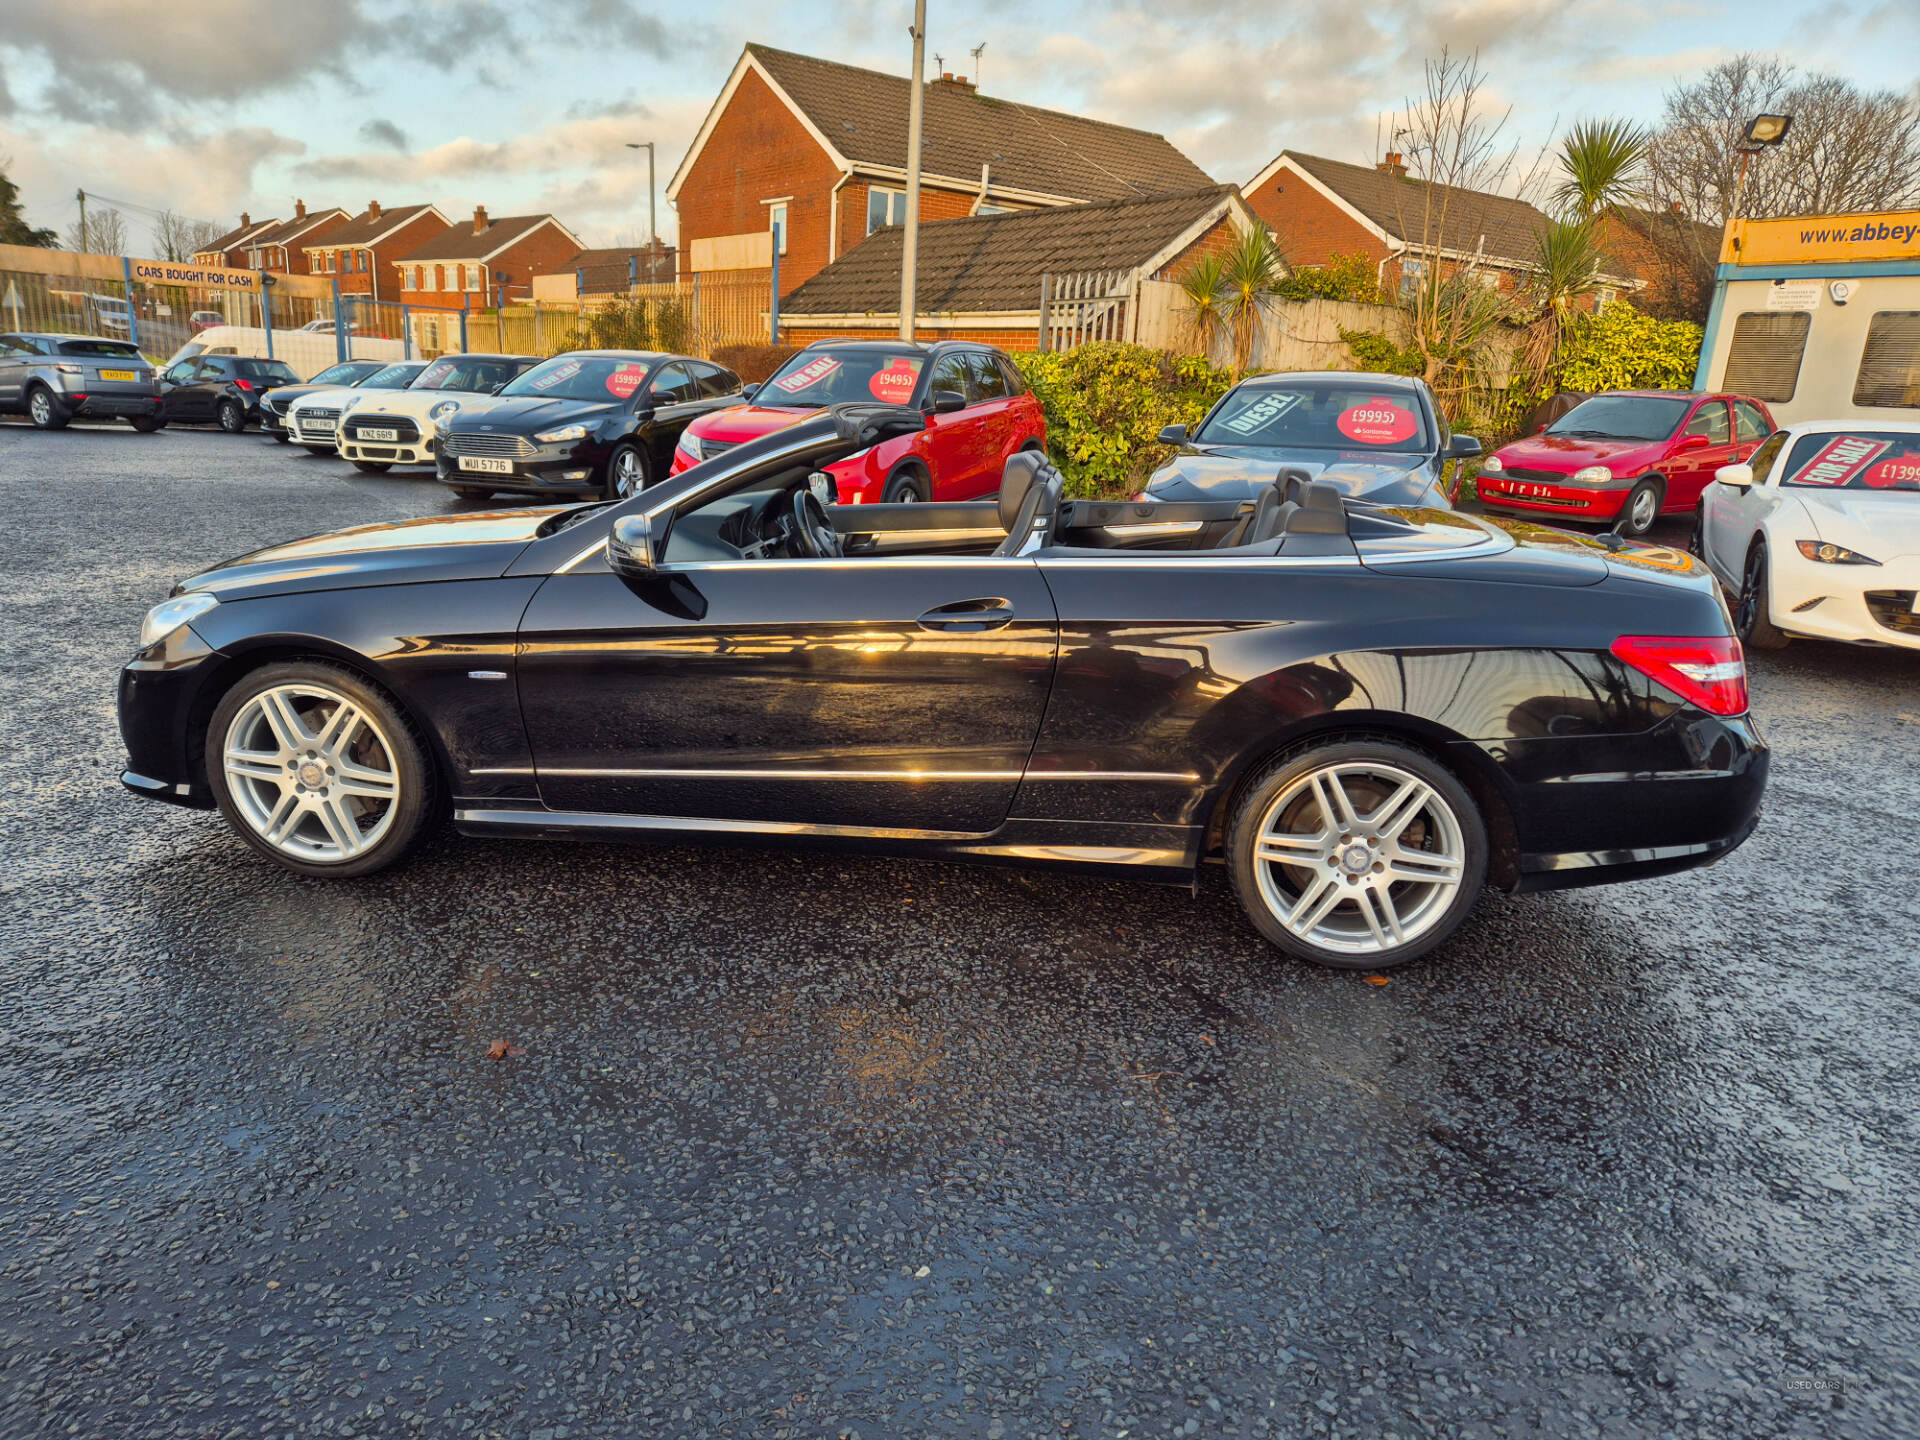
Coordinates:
[1622,348]
[1106,402]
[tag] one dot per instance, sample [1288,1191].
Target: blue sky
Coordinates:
[216,109]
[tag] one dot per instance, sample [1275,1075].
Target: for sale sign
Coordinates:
[895,383]
[1841,461]
[1379,421]
[803,377]
[625,380]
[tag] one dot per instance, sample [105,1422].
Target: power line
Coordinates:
[156,213]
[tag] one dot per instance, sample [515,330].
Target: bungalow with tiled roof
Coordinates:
[810,155]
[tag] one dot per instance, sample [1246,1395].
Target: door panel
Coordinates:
[958,445]
[807,692]
[1689,474]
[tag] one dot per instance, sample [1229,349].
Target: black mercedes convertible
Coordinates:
[1366,713]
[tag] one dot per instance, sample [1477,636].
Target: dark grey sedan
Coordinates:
[1377,437]
[54,379]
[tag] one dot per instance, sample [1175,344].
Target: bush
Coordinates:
[754,364]
[1344,277]
[1378,355]
[1106,402]
[1622,348]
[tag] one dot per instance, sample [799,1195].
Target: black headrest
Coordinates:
[1292,482]
[1022,469]
[1322,514]
[1325,495]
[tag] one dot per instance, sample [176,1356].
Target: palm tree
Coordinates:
[1204,284]
[1253,271]
[1602,163]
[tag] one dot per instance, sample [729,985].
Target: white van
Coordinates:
[308,352]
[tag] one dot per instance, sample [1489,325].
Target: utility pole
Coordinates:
[86,241]
[653,227]
[916,112]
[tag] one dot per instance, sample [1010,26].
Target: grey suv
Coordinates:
[56,378]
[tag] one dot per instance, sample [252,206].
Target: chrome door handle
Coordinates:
[969,615]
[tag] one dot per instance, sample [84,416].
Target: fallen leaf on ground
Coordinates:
[501,1050]
[1378,980]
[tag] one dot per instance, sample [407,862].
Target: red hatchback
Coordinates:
[979,412]
[1625,457]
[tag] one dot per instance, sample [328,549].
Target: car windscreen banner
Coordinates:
[1378,421]
[1841,461]
[813,370]
[625,379]
[1265,408]
[895,383]
[560,373]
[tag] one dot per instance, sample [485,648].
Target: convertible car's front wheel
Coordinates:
[1358,854]
[319,770]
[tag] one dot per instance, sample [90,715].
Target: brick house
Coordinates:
[813,153]
[281,247]
[489,262]
[1671,253]
[1319,208]
[979,276]
[359,253]
[230,250]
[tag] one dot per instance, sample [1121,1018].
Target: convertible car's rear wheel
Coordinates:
[316,768]
[1357,854]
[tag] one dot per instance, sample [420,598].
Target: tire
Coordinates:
[1697,538]
[283,437]
[1752,614]
[629,471]
[1640,509]
[298,814]
[906,486]
[373,467]
[147,424]
[232,418]
[44,410]
[1380,792]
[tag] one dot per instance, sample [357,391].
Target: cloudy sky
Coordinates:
[215,109]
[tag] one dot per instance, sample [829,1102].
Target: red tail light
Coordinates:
[1709,672]
[246,385]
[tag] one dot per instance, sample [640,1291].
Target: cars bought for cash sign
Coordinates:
[212,277]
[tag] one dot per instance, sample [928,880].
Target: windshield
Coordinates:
[1621,417]
[278,371]
[116,348]
[465,372]
[582,377]
[812,379]
[1856,460]
[393,376]
[351,373]
[1319,415]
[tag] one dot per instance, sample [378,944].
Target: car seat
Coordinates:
[1029,501]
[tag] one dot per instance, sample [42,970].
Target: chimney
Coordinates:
[949,81]
[245,220]
[479,218]
[299,209]
[1393,165]
[373,209]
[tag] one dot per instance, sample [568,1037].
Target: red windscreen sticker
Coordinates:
[1841,461]
[813,370]
[1378,422]
[1901,472]
[895,383]
[624,381]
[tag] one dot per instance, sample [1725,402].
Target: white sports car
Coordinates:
[401,427]
[1818,535]
[313,419]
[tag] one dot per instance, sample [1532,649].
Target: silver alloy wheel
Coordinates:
[311,772]
[41,408]
[1645,510]
[232,419]
[1359,857]
[626,474]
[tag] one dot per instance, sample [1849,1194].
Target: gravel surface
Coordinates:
[790,1145]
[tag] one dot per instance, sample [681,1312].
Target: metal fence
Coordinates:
[690,317]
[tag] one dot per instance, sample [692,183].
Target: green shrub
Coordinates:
[1622,348]
[1344,277]
[1106,403]
[1376,353]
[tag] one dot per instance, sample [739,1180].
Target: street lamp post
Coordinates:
[1763,133]
[653,227]
[916,108]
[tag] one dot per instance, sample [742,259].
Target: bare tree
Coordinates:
[1849,149]
[105,234]
[180,237]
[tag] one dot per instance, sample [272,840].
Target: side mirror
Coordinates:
[825,488]
[945,402]
[1173,435]
[1691,442]
[747,392]
[630,548]
[1462,447]
[1740,477]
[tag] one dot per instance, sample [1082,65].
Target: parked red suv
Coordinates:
[1625,456]
[979,412]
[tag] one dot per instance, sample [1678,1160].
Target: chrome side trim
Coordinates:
[1156,527]
[587,554]
[672,773]
[537,820]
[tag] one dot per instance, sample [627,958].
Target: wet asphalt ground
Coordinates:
[790,1145]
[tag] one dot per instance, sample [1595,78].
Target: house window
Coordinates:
[1764,359]
[777,223]
[1489,279]
[1413,274]
[885,207]
[1890,364]
[406,278]
[986,209]
[473,277]
[1604,297]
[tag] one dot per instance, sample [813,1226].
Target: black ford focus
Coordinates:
[591,422]
[1367,713]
